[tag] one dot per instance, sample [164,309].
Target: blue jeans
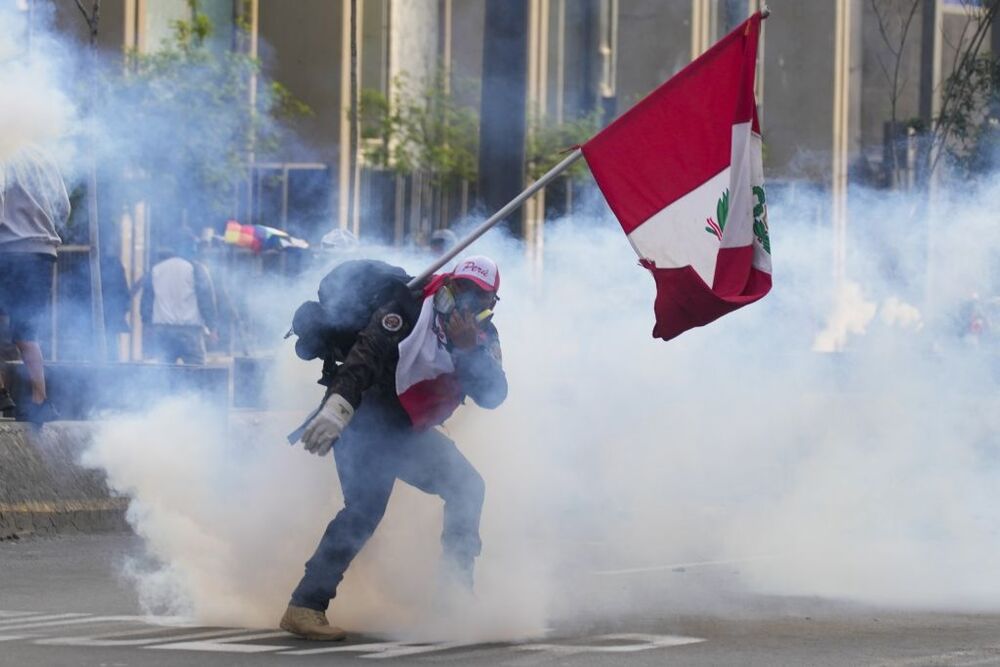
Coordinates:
[180,342]
[370,457]
[26,292]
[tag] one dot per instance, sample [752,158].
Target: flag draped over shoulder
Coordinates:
[682,172]
[426,384]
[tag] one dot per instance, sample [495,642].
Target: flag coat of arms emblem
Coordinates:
[683,173]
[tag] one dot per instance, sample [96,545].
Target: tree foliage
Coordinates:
[549,141]
[966,123]
[963,133]
[974,118]
[423,127]
[190,115]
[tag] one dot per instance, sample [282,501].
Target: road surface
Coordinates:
[63,603]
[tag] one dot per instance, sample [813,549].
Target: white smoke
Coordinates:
[866,474]
[34,108]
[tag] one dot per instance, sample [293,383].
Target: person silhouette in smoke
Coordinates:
[335,247]
[442,240]
[178,303]
[33,203]
[410,368]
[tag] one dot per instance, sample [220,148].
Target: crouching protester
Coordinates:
[412,365]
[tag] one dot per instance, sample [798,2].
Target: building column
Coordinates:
[502,127]
[704,20]
[841,60]
[537,101]
[445,12]
[344,180]
[846,123]
[755,6]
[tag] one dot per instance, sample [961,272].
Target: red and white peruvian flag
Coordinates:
[682,171]
[426,383]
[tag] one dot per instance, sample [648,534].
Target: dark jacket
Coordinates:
[369,371]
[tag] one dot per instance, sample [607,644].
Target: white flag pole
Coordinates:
[497,217]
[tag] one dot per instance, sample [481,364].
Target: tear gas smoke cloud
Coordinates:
[33,107]
[868,474]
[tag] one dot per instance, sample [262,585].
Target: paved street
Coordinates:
[62,603]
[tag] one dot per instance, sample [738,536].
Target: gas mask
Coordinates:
[448,299]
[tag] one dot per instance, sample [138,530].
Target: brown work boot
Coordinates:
[310,624]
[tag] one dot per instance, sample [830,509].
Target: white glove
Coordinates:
[327,425]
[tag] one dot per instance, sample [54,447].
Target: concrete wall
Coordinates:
[43,489]
[157,18]
[413,46]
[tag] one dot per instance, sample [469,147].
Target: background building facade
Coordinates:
[845,87]
[826,73]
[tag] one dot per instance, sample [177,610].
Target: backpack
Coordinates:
[348,297]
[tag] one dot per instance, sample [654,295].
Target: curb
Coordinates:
[45,490]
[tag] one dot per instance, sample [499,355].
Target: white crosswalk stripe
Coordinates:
[229,644]
[32,617]
[82,618]
[18,614]
[138,638]
[146,633]
[625,643]
[382,650]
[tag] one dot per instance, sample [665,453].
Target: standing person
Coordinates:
[442,240]
[410,368]
[336,246]
[33,204]
[117,303]
[178,301]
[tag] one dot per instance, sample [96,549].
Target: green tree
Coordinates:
[190,115]
[973,118]
[423,127]
[968,114]
[549,141]
[964,130]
